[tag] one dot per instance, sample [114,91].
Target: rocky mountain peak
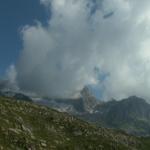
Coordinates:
[89,100]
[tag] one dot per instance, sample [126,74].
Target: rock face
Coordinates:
[89,101]
[29,126]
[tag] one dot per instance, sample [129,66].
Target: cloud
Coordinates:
[59,59]
[10,82]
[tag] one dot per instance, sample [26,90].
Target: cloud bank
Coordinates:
[81,36]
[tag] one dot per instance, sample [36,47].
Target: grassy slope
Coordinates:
[26,126]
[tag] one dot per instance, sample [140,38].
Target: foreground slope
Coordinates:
[24,125]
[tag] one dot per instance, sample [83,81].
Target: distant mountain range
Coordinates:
[131,114]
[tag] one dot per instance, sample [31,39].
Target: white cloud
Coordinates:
[59,60]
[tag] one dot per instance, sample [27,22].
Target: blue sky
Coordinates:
[14,14]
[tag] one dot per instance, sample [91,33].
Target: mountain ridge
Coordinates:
[131,114]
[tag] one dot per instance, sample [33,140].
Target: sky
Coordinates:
[103,44]
[13,16]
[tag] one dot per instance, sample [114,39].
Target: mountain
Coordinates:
[28,126]
[131,115]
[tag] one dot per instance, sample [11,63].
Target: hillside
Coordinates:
[27,126]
